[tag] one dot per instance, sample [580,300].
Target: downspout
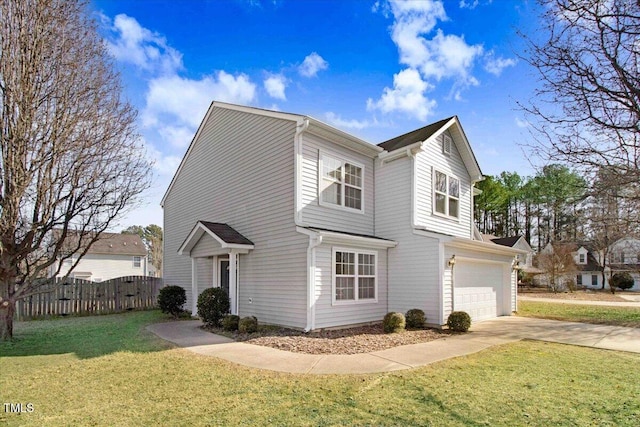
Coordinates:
[311,280]
[297,142]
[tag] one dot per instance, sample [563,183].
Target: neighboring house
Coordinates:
[624,256]
[589,273]
[113,255]
[310,227]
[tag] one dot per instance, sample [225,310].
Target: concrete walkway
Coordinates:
[187,334]
[631,301]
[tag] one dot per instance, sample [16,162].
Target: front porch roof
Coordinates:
[226,236]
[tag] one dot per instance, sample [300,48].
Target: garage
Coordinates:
[477,289]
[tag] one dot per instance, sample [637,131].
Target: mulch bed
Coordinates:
[361,339]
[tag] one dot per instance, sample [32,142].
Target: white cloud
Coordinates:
[338,121]
[468,5]
[312,64]
[141,47]
[495,65]
[407,96]
[449,56]
[185,101]
[275,86]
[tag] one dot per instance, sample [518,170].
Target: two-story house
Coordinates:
[113,255]
[310,227]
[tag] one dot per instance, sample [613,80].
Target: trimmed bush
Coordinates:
[171,299]
[415,318]
[248,325]
[230,322]
[393,322]
[213,305]
[622,281]
[459,321]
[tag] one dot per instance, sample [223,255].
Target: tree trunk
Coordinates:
[7,310]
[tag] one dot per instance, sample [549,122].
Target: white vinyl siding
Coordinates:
[315,212]
[427,162]
[413,273]
[354,276]
[240,171]
[105,267]
[329,314]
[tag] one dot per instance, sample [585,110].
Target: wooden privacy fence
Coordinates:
[76,296]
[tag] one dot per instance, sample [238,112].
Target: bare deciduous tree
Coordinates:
[71,163]
[556,259]
[587,110]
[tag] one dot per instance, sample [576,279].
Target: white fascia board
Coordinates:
[344,139]
[409,150]
[486,247]
[348,239]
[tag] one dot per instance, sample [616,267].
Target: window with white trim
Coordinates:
[446,195]
[582,258]
[354,275]
[341,182]
[137,261]
[594,280]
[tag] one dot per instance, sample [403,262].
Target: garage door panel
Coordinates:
[476,289]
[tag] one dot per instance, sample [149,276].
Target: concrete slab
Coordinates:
[482,335]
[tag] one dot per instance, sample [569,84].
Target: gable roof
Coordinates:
[226,233]
[412,137]
[432,131]
[226,236]
[507,241]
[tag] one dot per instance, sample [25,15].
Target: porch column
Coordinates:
[194,287]
[233,281]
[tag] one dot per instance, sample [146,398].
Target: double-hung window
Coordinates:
[446,195]
[137,261]
[354,276]
[340,183]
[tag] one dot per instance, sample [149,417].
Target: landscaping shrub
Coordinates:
[459,321]
[393,322]
[213,305]
[622,281]
[230,322]
[248,325]
[415,318]
[171,299]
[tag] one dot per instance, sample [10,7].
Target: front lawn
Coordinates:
[144,383]
[601,315]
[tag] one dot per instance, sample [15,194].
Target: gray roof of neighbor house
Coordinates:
[227,233]
[417,135]
[118,244]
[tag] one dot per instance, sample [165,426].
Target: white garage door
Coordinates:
[477,288]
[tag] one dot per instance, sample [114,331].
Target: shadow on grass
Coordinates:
[86,337]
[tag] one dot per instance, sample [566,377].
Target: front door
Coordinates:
[223,268]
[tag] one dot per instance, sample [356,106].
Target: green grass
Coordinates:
[601,315]
[143,383]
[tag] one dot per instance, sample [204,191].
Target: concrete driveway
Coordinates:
[187,334]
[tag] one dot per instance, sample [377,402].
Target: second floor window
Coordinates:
[341,183]
[137,261]
[583,259]
[446,195]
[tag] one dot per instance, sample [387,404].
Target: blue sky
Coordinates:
[374,68]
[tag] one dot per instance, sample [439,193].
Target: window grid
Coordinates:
[355,276]
[137,261]
[341,183]
[447,194]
